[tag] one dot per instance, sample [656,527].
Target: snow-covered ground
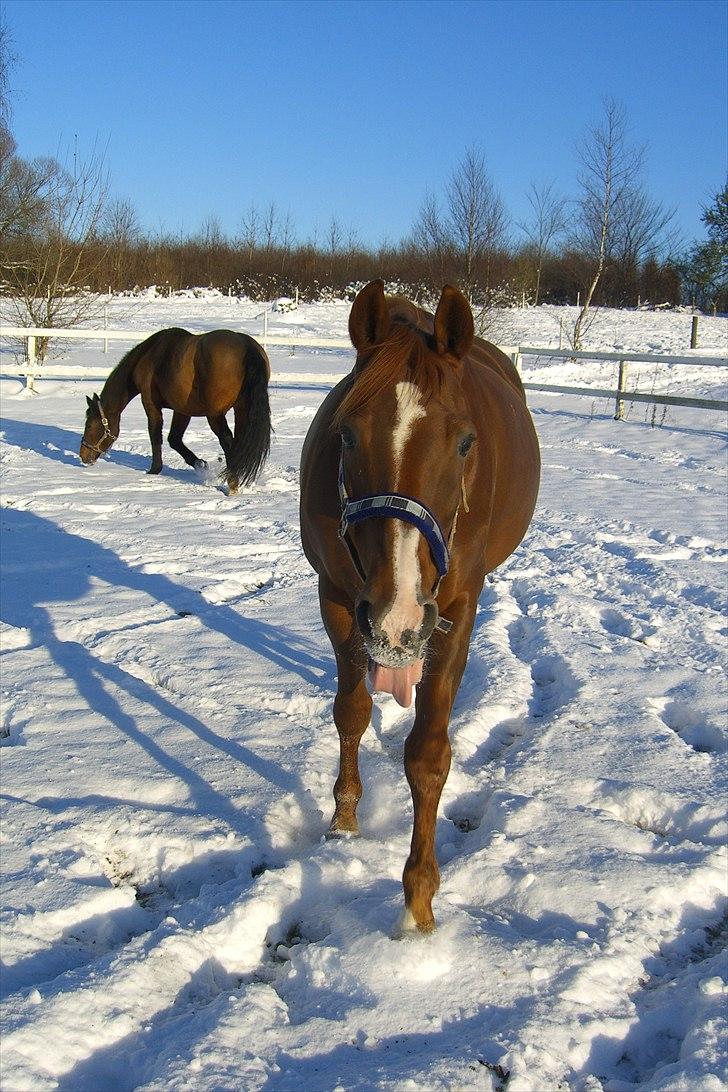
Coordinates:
[173,917]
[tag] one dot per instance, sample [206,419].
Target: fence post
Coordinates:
[621,386]
[30,378]
[694,333]
[265,329]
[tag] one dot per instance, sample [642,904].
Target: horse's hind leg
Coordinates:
[352,709]
[180,421]
[221,429]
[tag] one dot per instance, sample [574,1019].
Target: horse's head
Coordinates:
[405,435]
[99,432]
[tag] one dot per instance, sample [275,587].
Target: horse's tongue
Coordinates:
[397,681]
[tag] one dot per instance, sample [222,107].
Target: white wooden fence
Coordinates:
[32,369]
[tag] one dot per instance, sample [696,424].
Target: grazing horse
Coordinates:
[194,375]
[419,475]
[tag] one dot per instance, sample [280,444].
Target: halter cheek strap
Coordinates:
[398,506]
[108,435]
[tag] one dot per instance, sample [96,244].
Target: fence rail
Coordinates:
[32,369]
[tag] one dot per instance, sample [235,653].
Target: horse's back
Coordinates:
[200,375]
[484,354]
[509,458]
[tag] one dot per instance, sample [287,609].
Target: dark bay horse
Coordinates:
[419,475]
[194,375]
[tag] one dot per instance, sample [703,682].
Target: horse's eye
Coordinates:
[347,436]
[465,444]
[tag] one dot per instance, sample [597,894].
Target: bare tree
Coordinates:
[7,60]
[353,246]
[476,221]
[23,197]
[460,238]
[286,239]
[430,238]
[546,225]
[334,235]
[121,223]
[121,230]
[62,249]
[609,168]
[642,233]
[270,227]
[211,233]
[334,238]
[250,232]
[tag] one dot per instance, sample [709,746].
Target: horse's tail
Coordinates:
[250,449]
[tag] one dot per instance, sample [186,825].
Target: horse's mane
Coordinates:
[402,355]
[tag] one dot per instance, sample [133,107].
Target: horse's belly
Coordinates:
[198,403]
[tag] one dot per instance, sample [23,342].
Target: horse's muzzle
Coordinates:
[408,646]
[87,455]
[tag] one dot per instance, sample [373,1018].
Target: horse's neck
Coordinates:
[119,388]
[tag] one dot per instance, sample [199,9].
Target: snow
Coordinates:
[173,917]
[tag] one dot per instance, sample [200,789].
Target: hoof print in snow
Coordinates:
[615,623]
[694,728]
[280,951]
[466,823]
[553,686]
[500,1074]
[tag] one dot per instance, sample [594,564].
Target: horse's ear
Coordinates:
[89,402]
[454,327]
[369,318]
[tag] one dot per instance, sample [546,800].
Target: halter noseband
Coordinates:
[398,506]
[108,435]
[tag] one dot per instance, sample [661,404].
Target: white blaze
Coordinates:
[404,612]
[409,410]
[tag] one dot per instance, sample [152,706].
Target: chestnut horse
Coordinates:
[194,375]
[419,475]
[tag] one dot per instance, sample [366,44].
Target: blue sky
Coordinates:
[357,109]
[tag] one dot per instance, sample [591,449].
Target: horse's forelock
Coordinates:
[402,355]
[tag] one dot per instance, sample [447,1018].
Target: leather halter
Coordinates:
[108,435]
[397,506]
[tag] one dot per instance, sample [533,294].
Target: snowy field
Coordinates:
[173,918]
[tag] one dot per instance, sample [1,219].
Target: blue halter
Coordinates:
[400,507]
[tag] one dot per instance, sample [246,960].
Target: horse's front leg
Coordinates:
[352,705]
[427,763]
[154,421]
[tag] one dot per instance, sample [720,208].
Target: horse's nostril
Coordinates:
[363,618]
[429,619]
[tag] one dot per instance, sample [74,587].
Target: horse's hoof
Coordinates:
[408,927]
[342,832]
[154,470]
[200,464]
